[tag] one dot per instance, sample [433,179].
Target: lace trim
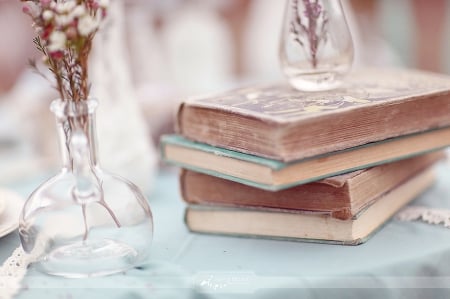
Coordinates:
[428,215]
[12,273]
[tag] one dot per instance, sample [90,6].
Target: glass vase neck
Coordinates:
[76,119]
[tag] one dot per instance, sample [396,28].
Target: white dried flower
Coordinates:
[47,15]
[57,41]
[63,20]
[32,9]
[103,3]
[65,7]
[87,25]
[78,11]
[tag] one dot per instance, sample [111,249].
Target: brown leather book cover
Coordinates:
[281,123]
[342,197]
[298,225]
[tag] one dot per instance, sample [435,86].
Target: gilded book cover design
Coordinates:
[365,87]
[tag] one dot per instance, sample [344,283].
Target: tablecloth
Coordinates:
[402,260]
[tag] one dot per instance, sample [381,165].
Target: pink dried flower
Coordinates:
[104,13]
[93,4]
[313,9]
[31,9]
[46,32]
[26,9]
[71,32]
[65,32]
[46,3]
[57,55]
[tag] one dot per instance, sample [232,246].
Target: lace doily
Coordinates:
[428,215]
[12,273]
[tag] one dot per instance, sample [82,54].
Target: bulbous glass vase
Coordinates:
[84,221]
[316,48]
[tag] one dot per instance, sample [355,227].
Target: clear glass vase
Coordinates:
[316,48]
[84,221]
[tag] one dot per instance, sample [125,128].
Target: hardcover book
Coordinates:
[305,226]
[341,197]
[284,124]
[275,175]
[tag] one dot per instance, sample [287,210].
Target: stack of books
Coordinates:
[328,167]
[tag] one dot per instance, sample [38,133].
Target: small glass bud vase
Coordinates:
[316,48]
[84,221]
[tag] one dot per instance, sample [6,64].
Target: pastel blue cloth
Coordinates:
[403,260]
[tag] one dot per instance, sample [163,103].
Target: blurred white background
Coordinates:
[162,51]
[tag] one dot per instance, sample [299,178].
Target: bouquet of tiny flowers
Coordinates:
[65,30]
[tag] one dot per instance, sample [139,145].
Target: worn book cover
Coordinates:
[275,175]
[281,123]
[341,197]
[305,226]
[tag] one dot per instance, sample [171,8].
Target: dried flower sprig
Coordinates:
[65,30]
[315,27]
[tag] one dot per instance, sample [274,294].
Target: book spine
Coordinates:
[202,189]
[179,119]
[182,184]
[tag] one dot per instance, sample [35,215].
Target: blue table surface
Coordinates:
[402,260]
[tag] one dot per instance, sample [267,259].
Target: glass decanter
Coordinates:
[316,48]
[84,221]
